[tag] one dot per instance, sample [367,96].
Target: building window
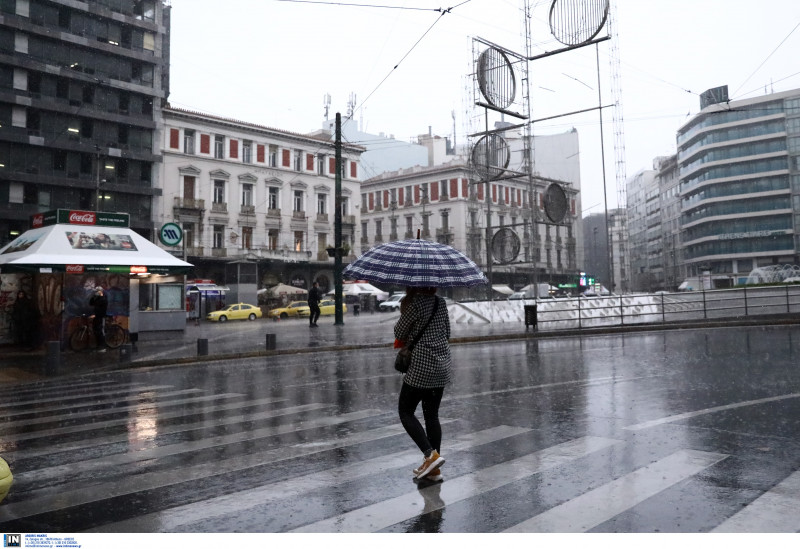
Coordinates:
[219,146]
[188,234]
[247,237]
[298,201]
[298,241]
[188,141]
[219,236]
[247,194]
[409,224]
[219,191]
[273,198]
[247,152]
[273,156]
[272,239]
[345,203]
[298,161]
[322,201]
[364,229]
[378,228]
[321,164]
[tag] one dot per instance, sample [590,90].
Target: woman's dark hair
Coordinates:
[411,293]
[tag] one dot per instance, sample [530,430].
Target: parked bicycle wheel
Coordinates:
[79,339]
[115,336]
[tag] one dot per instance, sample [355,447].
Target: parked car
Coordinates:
[239,311]
[291,309]
[518,295]
[326,307]
[391,304]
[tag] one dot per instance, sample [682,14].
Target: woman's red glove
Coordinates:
[399,344]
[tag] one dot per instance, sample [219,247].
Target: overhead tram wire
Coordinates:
[766,59]
[355,5]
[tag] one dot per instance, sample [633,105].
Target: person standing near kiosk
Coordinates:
[99,303]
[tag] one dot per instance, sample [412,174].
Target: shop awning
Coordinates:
[87,248]
[284,289]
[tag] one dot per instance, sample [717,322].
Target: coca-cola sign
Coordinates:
[82,218]
[73,268]
[37,220]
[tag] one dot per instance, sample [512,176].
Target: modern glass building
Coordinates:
[82,85]
[739,170]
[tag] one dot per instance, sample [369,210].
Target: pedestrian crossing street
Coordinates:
[100,454]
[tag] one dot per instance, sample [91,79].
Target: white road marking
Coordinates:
[235,503]
[775,511]
[605,502]
[388,512]
[688,415]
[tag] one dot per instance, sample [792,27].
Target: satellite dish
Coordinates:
[555,203]
[575,22]
[496,78]
[491,156]
[505,246]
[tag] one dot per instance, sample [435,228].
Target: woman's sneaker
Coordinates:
[435,475]
[431,462]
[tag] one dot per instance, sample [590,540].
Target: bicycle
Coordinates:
[83,335]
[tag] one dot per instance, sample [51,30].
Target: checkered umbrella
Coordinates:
[417,263]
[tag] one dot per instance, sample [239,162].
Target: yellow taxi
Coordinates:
[326,307]
[292,309]
[239,311]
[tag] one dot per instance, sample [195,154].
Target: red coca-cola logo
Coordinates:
[74,268]
[82,218]
[38,220]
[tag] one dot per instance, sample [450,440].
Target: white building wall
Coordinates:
[275,231]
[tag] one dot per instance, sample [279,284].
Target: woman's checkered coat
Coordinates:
[430,360]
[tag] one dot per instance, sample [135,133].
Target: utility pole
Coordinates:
[337,242]
[97,179]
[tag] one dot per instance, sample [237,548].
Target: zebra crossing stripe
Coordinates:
[775,511]
[69,402]
[605,502]
[56,417]
[93,442]
[60,471]
[233,504]
[53,499]
[388,512]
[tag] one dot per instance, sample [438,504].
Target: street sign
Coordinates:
[170,234]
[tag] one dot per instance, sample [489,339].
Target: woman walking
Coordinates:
[422,312]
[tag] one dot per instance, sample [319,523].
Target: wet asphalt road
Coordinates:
[675,431]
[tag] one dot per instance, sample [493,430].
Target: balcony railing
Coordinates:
[196,251]
[301,215]
[190,203]
[274,212]
[219,207]
[219,252]
[248,210]
[348,220]
[322,218]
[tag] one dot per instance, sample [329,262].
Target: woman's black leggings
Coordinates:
[430,437]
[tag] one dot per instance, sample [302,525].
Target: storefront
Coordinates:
[67,254]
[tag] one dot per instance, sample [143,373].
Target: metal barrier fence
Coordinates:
[662,308]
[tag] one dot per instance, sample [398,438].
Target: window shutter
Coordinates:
[494,193]
[464,189]
[480,191]
[174,139]
[572,207]
[260,153]
[385,199]
[416,194]
[332,166]
[287,158]
[434,188]
[454,188]
[353,170]
[507,200]
[400,196]
[310,162]
[234,149]
[371,201]
[205,144]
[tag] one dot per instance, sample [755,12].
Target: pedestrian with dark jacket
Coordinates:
[429,372]
[314,297]
[25,316]
[99,303]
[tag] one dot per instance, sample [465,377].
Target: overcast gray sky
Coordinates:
[272,62]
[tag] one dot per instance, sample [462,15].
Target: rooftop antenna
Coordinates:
[326,100]
[351,105]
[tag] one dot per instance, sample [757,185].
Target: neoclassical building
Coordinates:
[247,194]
